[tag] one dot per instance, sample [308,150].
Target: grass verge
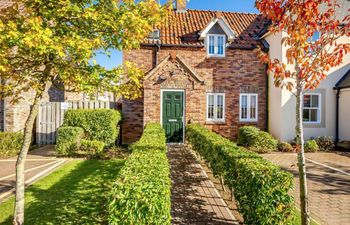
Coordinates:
[74,194]
[297,220]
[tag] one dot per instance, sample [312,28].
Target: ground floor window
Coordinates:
[216,107]
[312,108]
[248,107]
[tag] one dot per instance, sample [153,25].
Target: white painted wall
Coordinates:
[282,103]
[344,115]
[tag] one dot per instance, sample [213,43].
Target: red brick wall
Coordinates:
[239,72]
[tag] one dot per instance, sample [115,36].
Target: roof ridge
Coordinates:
[206,10]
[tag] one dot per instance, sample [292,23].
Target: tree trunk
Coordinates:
[304,208]
[20,182]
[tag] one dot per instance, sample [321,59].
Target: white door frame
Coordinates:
[183,113]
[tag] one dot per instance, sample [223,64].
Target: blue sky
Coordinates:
[115,58]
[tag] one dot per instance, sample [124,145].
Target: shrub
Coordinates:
[256,140]
[325,144]
[141,194]
[90,148]
[98,124]
[285,147]
[68,139]
[153,138]
[260,187]
[311,146]
[10,143]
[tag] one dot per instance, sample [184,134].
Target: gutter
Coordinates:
[337,116]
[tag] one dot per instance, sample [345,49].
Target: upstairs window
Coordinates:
[216,107]
[248,107]
[216,45]
[312,108]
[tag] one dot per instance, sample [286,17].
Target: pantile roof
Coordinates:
[5,3]
[183,28]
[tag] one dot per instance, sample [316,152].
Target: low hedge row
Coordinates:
[260,187]
[71,142]
[256,140]
[10,143]
[98,124]
[141,194]
[68,140]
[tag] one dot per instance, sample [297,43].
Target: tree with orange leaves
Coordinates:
[308,60]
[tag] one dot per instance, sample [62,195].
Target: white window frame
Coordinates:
[319,109]
[216,45]
[215,119]
[248,119]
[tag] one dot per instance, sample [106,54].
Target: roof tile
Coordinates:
[182,28]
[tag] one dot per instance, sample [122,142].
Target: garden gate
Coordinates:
[51,114]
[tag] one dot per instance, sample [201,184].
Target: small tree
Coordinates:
[307,61]
[44,42]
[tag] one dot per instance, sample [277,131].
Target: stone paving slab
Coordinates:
[195,200]
[329,189]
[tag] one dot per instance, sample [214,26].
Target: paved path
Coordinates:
[194,197]
[39,163]
[328,184]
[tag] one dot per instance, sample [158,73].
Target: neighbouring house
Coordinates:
[201,67]
[343,108]
[319,106]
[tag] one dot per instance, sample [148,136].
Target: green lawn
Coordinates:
[297,220]
[75,194]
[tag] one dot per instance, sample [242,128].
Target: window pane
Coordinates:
[306,115]
[244,105]
[220,107]
[314,101]
[220,45]
[252,107]
[211,45]
[211,107]
[313,115]
[307,100]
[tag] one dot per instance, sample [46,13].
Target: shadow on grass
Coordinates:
[79,197]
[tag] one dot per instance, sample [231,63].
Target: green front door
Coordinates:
[173,116]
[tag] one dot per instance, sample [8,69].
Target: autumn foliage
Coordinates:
[300,20]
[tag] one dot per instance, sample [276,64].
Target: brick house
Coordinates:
[201,67]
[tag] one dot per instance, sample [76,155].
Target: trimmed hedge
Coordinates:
[10,143]
[260,187]
[90,148]
[141,194]
[98,124]
[256,140]
[68,140]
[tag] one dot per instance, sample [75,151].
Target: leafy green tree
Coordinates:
[44,42]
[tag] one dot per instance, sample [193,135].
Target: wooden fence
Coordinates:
[51,115]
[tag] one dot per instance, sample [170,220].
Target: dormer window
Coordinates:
[216,45]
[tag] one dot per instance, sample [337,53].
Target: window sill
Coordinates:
[248,121]
[216,56]
[215,122]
